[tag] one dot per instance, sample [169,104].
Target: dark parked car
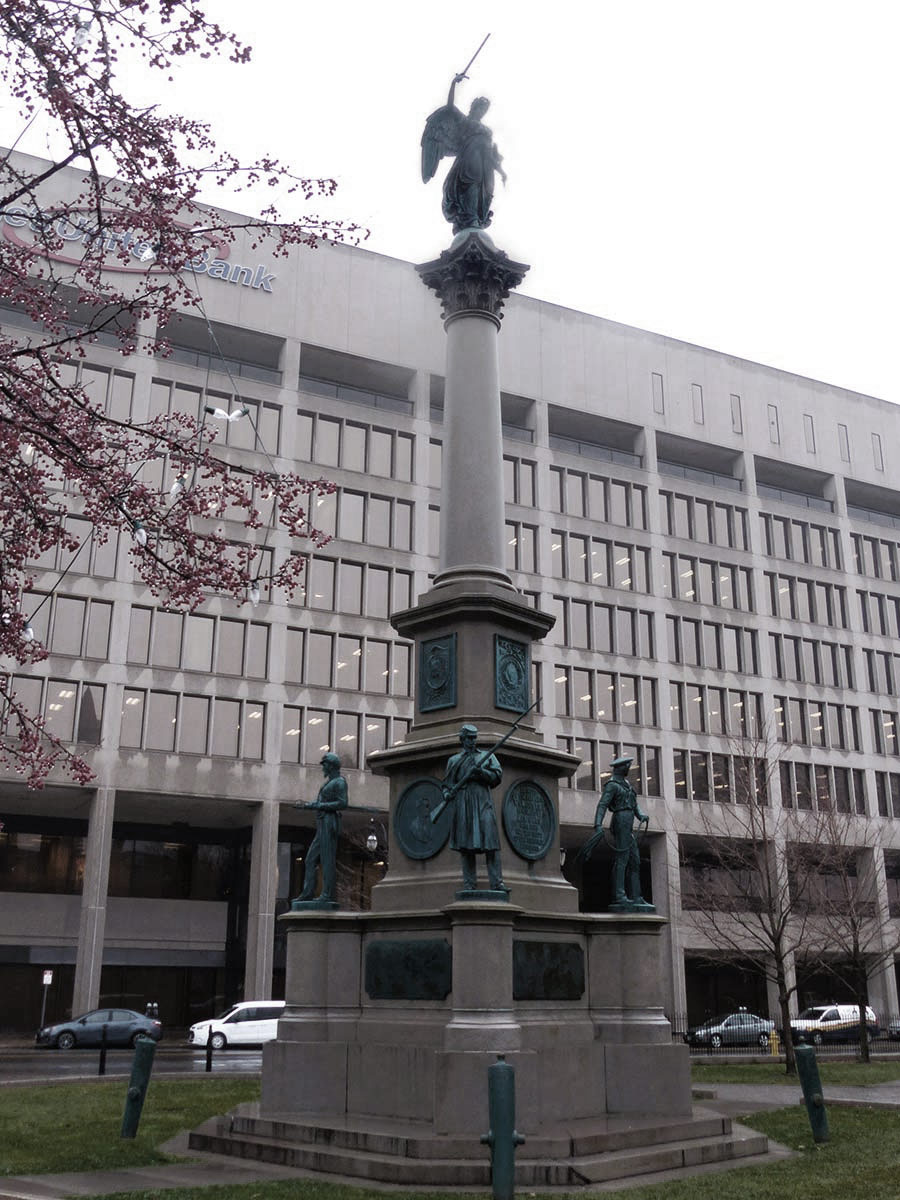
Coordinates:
[123,1027]
[735,1029]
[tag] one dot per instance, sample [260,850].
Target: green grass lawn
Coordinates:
[838,1074]
[75,1126]
[859,1163]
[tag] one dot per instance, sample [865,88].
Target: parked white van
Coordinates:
[832,1023]
[249,1023]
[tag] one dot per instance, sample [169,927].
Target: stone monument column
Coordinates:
[472,279]
[473,631]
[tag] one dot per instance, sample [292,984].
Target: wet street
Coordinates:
[22,1065]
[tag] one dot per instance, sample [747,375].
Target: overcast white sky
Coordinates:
[723,172]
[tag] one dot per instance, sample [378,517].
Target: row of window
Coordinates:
[809,786]
[358,664]
[728,779]
[882,671]
[806,600]
[308,733]
[71,711]
[801,541]
[814,723]
[521,543]
[68,624]
[156,720]
[806,660]
[723,778]
[884,731]
[92,557]
[878,558]
[725,711]
[341,585]
[111,391]
[360,517]
[604,628]
[258,429]
[605,696]
[586,559]
[708,521]
[613,501]
[880,613]
[887,794]
[709,644]
[191,724]
[705,582]
[596,757]
[54,864]
[195,642]
[333,442]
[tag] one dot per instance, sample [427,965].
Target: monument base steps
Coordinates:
[573,1154]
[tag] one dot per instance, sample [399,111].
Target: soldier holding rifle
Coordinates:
[467,784]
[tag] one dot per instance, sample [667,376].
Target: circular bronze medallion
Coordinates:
[529,820]
[418,836]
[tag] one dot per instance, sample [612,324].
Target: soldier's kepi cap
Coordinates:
[621,762]
[463,729]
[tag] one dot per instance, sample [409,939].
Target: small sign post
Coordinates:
[48,979]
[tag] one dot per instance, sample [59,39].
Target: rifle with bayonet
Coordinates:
[450,794]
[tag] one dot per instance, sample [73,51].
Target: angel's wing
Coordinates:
[442,136]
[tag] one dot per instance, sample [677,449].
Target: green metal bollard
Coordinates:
[808,1070]
[144,1049]
[502,1137]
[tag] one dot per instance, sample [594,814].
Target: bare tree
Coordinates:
[846,937]
[737,889]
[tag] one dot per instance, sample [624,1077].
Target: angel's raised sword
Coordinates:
[464,72]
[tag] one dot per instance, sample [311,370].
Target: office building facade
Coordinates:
[718,541]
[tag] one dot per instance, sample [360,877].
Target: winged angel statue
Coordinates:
[469,186]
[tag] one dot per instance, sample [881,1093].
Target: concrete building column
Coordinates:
[92,922]
[261,906]
[666,875]
[882,978]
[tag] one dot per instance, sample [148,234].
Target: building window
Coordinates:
[844,443]
[737,419]
[876,452]
[809,432]
[659,402]
[697,403]
[518,481]
[774,434]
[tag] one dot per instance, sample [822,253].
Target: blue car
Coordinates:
[123,1028]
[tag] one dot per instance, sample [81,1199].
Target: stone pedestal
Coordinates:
[396,1017]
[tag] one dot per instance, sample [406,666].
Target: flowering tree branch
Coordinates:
[104,244]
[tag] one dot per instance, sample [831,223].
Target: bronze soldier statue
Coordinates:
[467,784]
[620,798]
[331,799]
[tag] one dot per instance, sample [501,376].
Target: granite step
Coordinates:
[646,1149]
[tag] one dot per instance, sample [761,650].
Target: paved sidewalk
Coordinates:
[204,1170]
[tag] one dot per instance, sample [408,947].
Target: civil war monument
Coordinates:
[474,945]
